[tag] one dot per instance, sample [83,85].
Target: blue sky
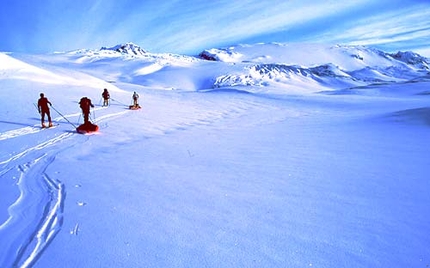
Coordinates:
[190,26]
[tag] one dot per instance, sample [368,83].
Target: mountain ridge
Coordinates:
[310,67]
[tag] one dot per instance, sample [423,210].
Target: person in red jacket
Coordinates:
[106,97]
[42,105]
[85,104]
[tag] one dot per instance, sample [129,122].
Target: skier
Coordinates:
[42,106]
[85,105]
[135,98]
[106,97]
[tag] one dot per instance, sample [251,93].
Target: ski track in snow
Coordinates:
[36,216]
[113,115]
[19,132]
[14,133]
[37,147]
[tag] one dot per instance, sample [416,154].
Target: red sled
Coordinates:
[134,107]
[87,128]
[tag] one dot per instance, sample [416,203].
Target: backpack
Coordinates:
[84,103]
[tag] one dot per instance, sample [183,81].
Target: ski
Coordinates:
[53,126]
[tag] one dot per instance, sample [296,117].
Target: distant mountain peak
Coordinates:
[127,48]
[411,58]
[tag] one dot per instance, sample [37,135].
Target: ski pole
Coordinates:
[37,108]
[63,116]
[118,102]
[94,116]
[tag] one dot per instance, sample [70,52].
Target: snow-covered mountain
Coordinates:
[127,48]
[412,58]
[292,67]
[348,65]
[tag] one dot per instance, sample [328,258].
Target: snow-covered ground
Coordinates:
[269,155]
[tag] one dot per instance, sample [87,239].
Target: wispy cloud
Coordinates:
[407,25]
[230,21]
[185,26]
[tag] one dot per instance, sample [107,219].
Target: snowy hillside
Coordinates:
[265,155]
[342,66]
[295,68]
